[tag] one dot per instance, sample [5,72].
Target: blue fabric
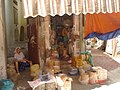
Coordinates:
[21,66]
[105,36]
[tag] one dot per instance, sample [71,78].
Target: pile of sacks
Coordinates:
[97,75]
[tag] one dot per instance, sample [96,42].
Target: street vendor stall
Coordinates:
[42,10]
[38,8]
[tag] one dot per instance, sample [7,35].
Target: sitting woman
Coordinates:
[19,57]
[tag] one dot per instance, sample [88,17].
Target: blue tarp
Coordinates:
[105,36]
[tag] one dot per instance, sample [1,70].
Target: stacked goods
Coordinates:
[77,61]
[11,72]
[35,71]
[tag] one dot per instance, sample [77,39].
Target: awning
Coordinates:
[61,7]
[103,26]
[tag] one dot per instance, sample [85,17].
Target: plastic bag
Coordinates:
[7,84]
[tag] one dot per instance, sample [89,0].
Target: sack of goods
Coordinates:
[6,84]
[35,71]
[84,78]
[64,82]
[93,78]
[12,72]
[101,74]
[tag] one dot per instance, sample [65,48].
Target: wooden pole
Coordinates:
[81,23]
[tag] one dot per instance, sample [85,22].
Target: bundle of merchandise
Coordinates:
[84,78]
[93,78]
[11,72]
[35,71]
[87,56]
[64,82]
[77,61]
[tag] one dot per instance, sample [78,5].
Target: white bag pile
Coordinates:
[64,82]
[101,74]
[97,76]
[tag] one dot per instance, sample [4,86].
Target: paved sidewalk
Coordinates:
[103,60]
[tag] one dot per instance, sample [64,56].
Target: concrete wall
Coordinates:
[10,26]
[2,42]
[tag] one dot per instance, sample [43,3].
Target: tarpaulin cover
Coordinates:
[103,26]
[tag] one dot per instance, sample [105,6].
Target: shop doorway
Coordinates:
[61,38]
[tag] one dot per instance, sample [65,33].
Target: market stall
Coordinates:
[46,38]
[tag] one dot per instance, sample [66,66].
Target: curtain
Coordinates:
[61,7]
